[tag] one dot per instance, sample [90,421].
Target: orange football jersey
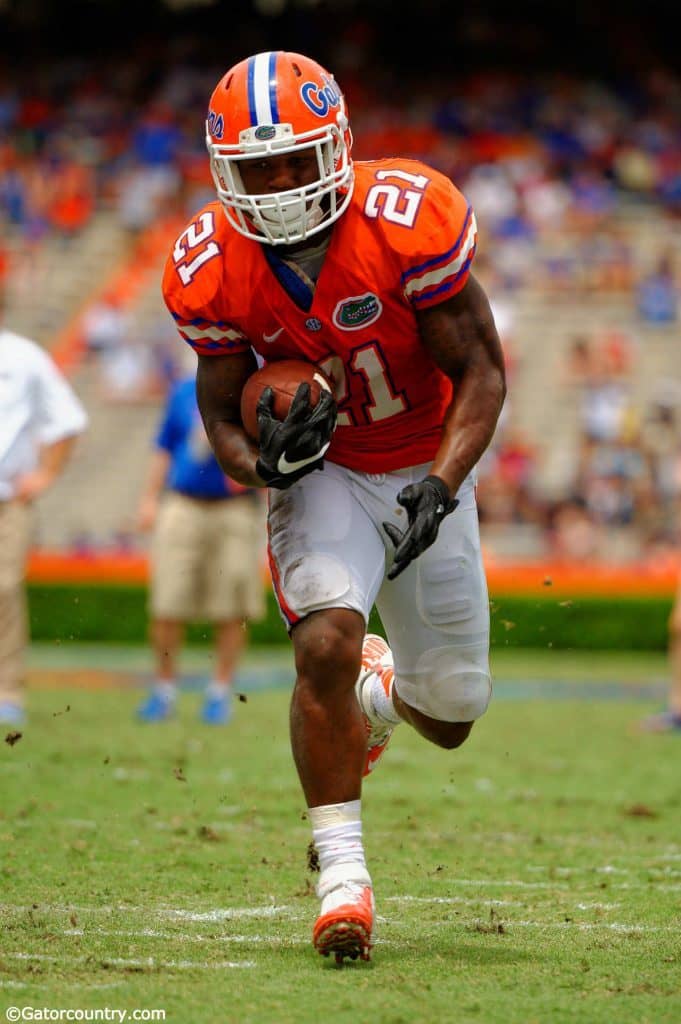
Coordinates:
[406,242]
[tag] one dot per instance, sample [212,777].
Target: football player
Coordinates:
[363,268]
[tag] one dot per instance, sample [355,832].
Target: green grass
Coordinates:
[532,876]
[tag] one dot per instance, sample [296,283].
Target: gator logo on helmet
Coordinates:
[320,98]
[264,132]
[357,311]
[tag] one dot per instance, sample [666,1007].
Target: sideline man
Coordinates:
[40,419]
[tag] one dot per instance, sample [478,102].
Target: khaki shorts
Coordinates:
[207,560]
[16,522]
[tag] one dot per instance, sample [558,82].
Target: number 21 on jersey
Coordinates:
[399,205]
[379,399]
[194,238]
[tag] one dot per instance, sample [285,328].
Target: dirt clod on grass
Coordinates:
[206,832]
[312,857]
[640,811]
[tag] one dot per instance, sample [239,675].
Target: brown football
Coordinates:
[283,376]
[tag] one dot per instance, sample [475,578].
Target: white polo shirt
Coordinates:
[37,407]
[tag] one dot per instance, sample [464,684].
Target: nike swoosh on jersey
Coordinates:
[284,466]
[269,338]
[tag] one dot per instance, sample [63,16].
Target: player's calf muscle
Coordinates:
[447,735]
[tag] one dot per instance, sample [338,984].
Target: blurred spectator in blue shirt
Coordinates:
[658,292]
[206,559]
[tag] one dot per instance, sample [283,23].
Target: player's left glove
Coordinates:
[427,503]
[294,447]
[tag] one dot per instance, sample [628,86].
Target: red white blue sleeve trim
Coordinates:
[209,338]
[443,275]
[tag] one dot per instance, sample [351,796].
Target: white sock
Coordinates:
[165,689]
[337,834]
[381,702]
[217,689]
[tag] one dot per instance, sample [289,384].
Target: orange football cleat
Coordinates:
[346,919]
[376,659]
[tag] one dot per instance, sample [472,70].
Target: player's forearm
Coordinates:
[219,383]
[234,451]
[469,425]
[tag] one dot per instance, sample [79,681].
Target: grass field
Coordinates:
[532,876]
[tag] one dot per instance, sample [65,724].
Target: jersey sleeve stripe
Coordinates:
[451,286]
[212,333]
[217,348]
[452,272]
[199,321]
[201,330]
[468,230]
[210,338]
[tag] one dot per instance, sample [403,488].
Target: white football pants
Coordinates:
[328,549]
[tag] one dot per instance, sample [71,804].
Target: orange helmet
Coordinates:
[271,104]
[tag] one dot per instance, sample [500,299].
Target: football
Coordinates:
[284,377]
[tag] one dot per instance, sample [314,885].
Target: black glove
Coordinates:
[427,503]
[295,446]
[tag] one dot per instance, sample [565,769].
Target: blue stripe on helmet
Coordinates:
[251,91]
[273,88]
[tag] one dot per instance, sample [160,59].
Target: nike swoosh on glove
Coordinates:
[293,447]
[427,503]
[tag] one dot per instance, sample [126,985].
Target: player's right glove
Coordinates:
[427,503]
[291,448]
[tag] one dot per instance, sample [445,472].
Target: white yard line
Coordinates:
[145,962]
[231,913]
[20,984]
[468,902]
[168,912]
[151,933]
[459,900]
[270,940]
[96,986]
[561,886]
[284,911]
[581,926]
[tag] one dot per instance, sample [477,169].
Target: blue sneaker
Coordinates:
[156,708]
[12,714]
[663,721]
[217,708]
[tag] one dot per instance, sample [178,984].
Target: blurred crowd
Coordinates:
[545,155]
[560,169]
[620,492]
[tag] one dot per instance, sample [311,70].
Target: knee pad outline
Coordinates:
[451,684]
[315,581]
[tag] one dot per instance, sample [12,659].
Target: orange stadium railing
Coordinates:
[652,579]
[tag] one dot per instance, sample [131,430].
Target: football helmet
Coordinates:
[271,104]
